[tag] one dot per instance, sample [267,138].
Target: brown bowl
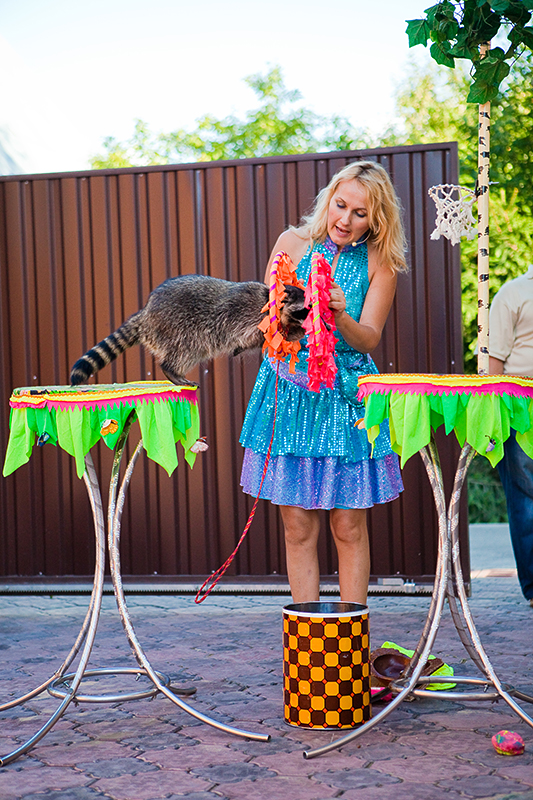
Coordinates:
[386,666]
[389,666]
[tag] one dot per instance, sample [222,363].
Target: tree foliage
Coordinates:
[279,125]
[457,28]
[432,109]
[511,252]
[142,149]
[511,199]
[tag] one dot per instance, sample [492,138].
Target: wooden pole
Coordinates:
[483,233]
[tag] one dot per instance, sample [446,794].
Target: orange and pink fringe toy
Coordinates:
[319,326]
[282,273]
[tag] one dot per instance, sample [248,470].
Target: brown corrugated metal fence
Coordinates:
[81,251]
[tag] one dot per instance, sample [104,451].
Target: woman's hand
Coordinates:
[337,300]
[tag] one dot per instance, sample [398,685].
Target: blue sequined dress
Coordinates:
[320,458]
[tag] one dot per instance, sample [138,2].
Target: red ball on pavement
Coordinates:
[508,743]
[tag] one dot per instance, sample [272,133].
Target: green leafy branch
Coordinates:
[457,29]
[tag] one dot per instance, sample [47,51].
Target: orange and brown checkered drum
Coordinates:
[326,664]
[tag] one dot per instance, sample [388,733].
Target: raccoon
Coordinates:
[194,318]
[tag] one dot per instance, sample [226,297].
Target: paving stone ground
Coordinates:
[230,649]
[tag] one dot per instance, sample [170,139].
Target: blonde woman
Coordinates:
[320,458]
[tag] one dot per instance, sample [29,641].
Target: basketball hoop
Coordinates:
[454,212]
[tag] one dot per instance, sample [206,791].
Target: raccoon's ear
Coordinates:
[293,294]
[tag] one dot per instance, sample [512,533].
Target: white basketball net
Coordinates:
[454,212]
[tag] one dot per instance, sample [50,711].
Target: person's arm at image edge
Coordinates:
[495,366]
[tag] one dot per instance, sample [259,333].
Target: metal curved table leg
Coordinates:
[114,522]
[64,666]
[93,489]
[465,459]
[434,471]
[448,560]
[474,636]
[449,585]
[432,624]
[431,461]
[62,670]
[470,641]
[521,695]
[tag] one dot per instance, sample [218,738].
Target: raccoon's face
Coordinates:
[293,313]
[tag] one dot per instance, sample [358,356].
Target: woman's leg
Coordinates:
[350,534]
[301,536]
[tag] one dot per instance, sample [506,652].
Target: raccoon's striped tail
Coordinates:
[107,350]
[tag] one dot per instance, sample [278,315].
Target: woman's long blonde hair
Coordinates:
[384,212]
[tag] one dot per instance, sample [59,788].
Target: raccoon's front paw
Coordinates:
[183,382]
[179,380]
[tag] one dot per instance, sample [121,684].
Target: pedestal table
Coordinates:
[481,411]
[75,419]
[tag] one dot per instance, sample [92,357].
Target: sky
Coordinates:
[75,72]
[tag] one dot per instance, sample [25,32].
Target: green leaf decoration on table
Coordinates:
[78,429]
[482,420]
[160,430]
[21,441]
[120,414]
[165,418]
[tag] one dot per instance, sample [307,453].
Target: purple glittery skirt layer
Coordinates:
[330,482]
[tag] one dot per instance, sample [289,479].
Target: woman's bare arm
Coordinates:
[365,335]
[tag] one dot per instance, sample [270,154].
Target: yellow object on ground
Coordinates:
[444,670]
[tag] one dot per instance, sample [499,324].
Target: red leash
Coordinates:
[214,578]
